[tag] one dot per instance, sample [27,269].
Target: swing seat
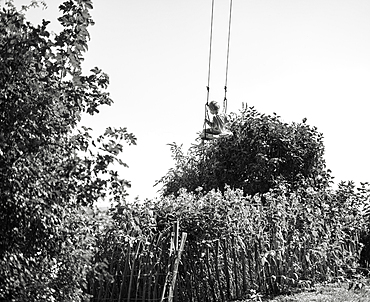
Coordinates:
[209,136]
[225,133]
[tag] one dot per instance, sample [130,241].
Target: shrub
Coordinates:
[50,166]
[262,151]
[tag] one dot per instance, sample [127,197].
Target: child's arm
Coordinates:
[209,123]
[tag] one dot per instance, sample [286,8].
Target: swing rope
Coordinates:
[209,64]
[206,117]
[227,57]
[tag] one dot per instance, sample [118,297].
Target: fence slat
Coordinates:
[120,297]
[210,276]
[235,268]
[217,270]
[226,270]
[176,264]
[132,271]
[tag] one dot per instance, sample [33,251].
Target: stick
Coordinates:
[176,266]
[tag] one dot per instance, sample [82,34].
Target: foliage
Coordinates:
[262,151]
[365,236]
[298,236]
[50,167]
[56,276]
[132,256]
[237,246]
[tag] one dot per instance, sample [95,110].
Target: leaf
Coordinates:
[89,4]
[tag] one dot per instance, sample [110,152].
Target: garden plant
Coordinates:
[51,168]
[259,209]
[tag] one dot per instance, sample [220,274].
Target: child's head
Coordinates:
[214,107]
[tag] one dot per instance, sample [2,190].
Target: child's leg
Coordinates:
[213,131]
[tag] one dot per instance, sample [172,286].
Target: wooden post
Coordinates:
[226,270]
[176,267]
[124,272]
[258,266]
[252,264]
[158,270]
[176,235]
[108,285]
[132,270]
[174,261]
[210,277]
[235,268]
[220,287]
[244,271]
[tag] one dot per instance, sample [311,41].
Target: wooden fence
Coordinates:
[141,270]
[172,268]
[221,270]
[218,270]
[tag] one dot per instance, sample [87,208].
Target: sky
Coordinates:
[298,58]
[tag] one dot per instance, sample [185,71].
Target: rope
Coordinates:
[210,50]
[210,59]
[227,57]
[209,65]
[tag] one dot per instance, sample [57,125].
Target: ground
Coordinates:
[336,292]
[356,291]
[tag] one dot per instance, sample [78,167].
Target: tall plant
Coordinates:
[238,244]
[50,167]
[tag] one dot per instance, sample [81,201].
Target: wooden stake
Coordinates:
[220,287]
[226,269]
[132,270]
[176,267]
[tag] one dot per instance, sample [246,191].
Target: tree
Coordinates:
[50,167]
[262,151]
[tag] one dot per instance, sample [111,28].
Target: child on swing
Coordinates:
[217,125]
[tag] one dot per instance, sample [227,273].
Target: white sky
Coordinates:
[298,58]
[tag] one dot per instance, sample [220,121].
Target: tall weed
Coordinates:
[236,246]
[293,238]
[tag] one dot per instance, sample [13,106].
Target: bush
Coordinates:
[50,167]
[262,151]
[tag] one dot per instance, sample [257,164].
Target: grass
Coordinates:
[357,291]
[336,292]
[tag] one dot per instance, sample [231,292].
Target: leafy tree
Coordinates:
[50,167]
[262,151]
